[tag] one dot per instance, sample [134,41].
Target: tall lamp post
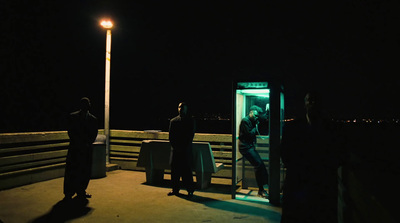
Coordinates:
[107,24]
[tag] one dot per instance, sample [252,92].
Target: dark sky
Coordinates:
[53,53]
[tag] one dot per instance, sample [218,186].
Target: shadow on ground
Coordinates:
[64,211]
[243,207]
[213,188]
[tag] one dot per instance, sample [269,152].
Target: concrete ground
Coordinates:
[123,196]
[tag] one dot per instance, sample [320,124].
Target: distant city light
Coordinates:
[369,120]
[288,120]
[106,24]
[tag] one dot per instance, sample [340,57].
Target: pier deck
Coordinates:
[123,196]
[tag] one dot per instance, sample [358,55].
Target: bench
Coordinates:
[154,156]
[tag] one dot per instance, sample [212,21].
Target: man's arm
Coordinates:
[247,129]
[73,132]
[193,128]
[171,136]
[94,131]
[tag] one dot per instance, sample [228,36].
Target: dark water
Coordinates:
[214,126]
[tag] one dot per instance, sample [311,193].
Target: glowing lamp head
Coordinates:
[106,24]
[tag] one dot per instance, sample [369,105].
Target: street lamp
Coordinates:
[107,24]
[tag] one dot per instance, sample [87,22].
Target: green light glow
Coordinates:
[254,91]
[262,93]
[252,85]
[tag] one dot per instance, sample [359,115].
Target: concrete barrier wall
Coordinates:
[36,156]
[31,157]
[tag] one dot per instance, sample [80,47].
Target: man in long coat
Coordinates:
[312,154]
[82,131]
[181,133]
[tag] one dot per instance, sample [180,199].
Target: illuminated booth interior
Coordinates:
[267,96]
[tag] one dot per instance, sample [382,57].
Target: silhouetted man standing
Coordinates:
[82,131]
[311,156]
[248,130]
[181,133]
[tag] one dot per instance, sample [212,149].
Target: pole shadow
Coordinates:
[64,211]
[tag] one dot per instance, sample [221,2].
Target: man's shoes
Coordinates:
[172,193]
[67,198]
[85,195]
[263,194]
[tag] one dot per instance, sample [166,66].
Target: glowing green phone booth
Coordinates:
[269,97]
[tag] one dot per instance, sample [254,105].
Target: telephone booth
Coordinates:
[269,97]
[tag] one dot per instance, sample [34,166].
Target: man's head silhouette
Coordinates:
[84,104]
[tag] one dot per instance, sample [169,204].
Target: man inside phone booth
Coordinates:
[248,131]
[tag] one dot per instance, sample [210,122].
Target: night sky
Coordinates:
[53,53]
